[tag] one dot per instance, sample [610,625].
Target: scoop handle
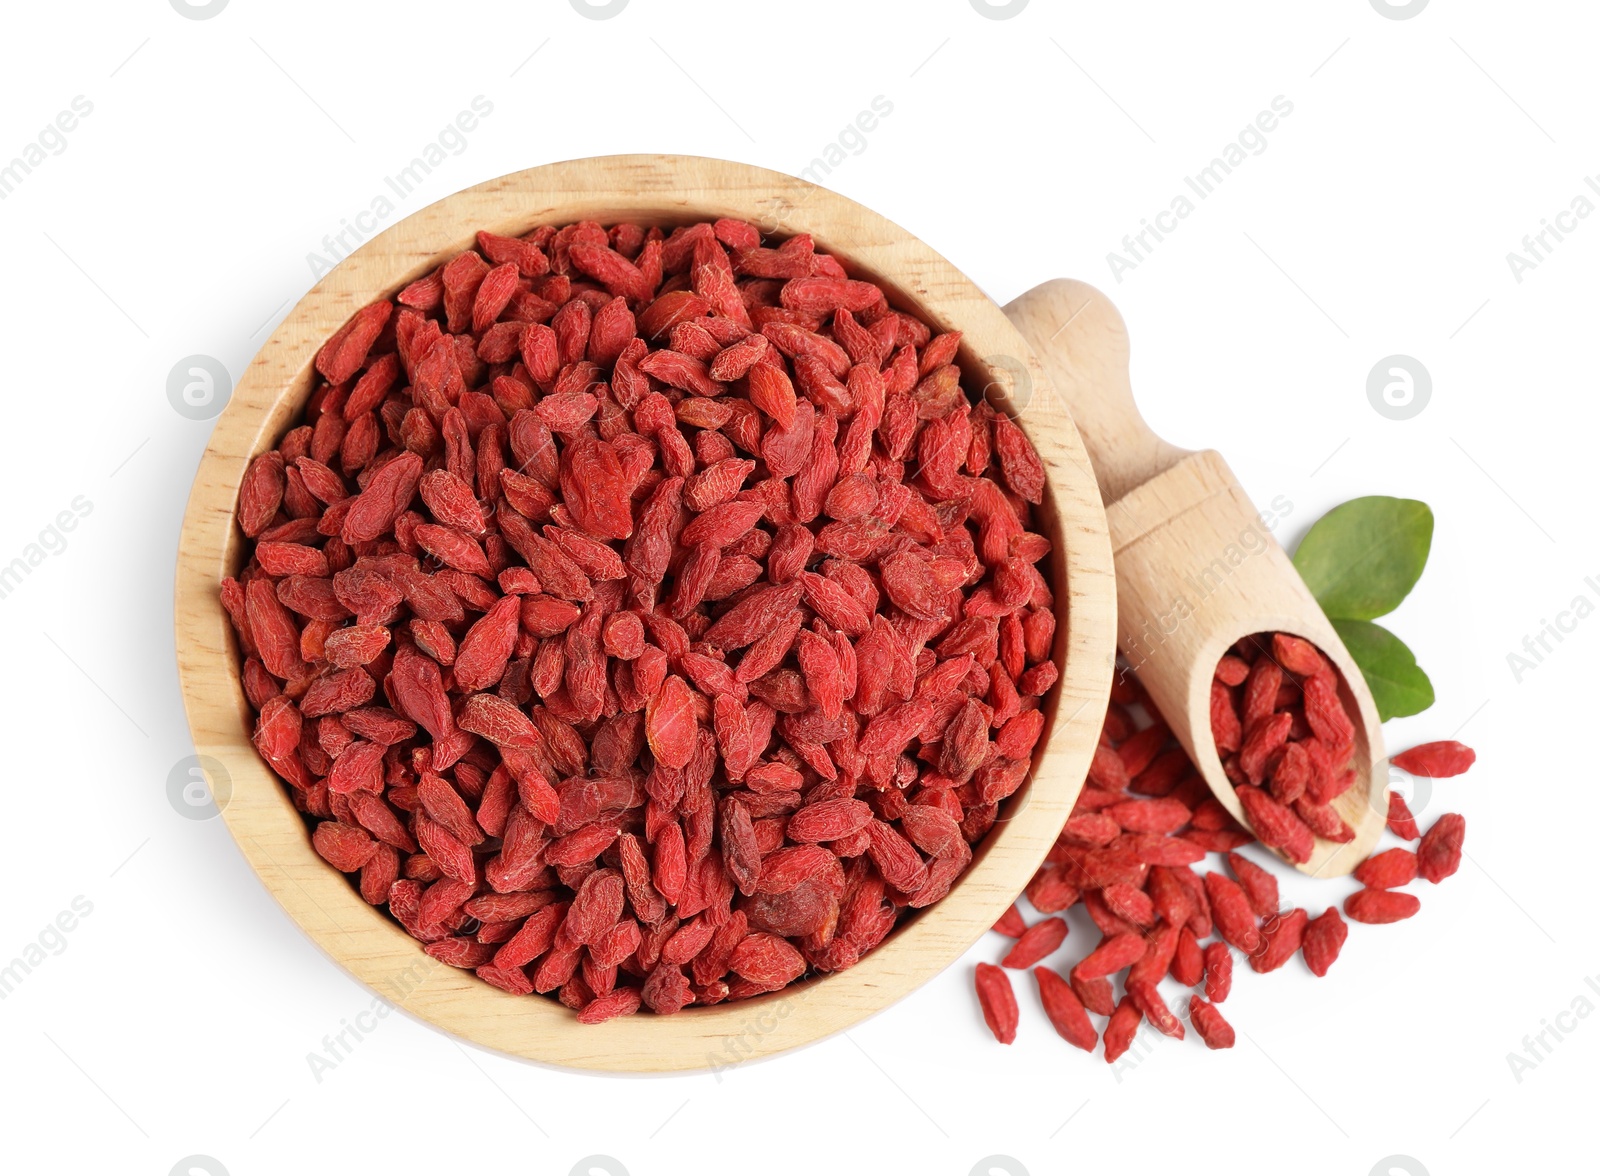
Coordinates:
[1081,340]
[1197,567]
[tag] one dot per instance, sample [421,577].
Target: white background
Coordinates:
[178,1018]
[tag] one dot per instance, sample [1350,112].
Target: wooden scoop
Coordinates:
[1196,567]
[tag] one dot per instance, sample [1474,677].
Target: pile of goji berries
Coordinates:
[645,618]
[1146,818]
[1285,740]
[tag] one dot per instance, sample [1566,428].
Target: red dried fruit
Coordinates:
[1235,920]
[1065,1010]
[1232,670]
[1097,995]
[500,722]
[276,637]
[829,820]
[1281,936]
[1188,965]
[1018,460]
[1011,923]
[344,847]
[1381,906]
[1213,1028]
[1260,886]
[355,645]
[1263,737]
[819,662]
[1114,954]
[910,583]
[1439,855]
[1444,758]
[342,355]
[595,488]
[1297,655]
[998,1002]
[766,960]
[670,724]
[387,494]
[1120,1030]
[1219,972]
[1129,904]
[1147,998]
[1107,769]
[1165,815]
[1386,870]
[1323,938]
[1035,943]
[1324,821]
[896,858]
[619,1002]
[482,655]
[1275,825]
[1325,712]
[1401,823]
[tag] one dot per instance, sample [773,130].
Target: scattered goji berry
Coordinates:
[1010,924]
[1324,937]
[1444,758]
[1281,937]
[1386,870]
[1065,1010]
[1381,906]
[998,1002]
[1035,943]
[1213,1028]
[1401,823]
[1235,920]
[1439,854]
[1121,1029]
[1260,886]
[1219,972]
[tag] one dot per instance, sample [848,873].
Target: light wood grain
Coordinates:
[661,190]
[1196,567]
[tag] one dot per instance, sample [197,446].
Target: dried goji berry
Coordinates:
[1114,954]
[1065,1010]
[1235,920]
[1281,936]
[1121,1028]
[1445,758]
[1213,1028]
[1260,886]
[1035,943]
[1324,937]
[1219,972]
[1401,823]
[1381,906]
[1010,923]
[998,1002]
[1439,854]
[1386,870]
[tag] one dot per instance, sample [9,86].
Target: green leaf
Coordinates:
[1360,559]
[1398,685]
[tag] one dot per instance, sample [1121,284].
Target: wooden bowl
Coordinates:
[650,189]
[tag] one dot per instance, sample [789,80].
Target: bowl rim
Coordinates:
[363,940]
